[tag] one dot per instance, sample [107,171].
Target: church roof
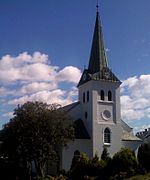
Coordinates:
[69,107]
[129,137]
[98,66]
[80,130]
[98,59]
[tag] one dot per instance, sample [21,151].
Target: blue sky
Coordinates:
[41,42]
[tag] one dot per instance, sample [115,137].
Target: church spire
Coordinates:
[98,59]
[98,67]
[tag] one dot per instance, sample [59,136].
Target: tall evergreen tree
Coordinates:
[105,155]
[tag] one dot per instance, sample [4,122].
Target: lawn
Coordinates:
[140,177]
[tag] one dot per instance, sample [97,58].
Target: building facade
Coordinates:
[97,114]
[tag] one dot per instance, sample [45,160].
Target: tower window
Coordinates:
[109,96]
[107,136]
[84,97]
[86,115]
[102,95]
[87,96]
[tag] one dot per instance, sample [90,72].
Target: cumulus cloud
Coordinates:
[9,114]
[69,74]
[56,96]
[24,67]
[36,87]
[5,92]
[31,77]
[8,61]
[35,67]
[135,99]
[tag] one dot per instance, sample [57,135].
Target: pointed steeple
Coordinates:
[98,67]
[98,59]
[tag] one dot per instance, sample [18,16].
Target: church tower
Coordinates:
[96,114]
[99,96]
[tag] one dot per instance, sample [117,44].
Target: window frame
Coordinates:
[88,96]
[83,97]
[102,95]
[107,136]
[109,95]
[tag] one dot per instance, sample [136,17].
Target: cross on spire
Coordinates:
[97,6]
[98,59]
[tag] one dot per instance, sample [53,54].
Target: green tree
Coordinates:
[96,166]
[34,132]
[124,163]
[84,168]
[79,166]
[144,156]
[105,155]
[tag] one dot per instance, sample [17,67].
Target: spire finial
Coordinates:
[97,6]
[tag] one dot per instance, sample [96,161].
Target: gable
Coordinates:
[80,130]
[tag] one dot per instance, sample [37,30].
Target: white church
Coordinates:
[96,114]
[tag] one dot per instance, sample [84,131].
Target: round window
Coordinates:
[106,114]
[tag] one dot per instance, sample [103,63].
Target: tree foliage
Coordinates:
[79,166]
[124,163]
[34,132]
[83,167]
[144,156]
[105,155]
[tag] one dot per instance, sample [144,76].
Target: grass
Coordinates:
[140,177]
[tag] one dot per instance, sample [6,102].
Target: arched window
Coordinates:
[102,95]
[109,96]
[84,97]
[107,136]
[87,96]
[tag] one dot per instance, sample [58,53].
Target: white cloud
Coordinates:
[25,67]
[32,78]
[37,72]
[36,87]
[34,68]
[69,74]
[135,101]
[5,92]
[141,128]
[9,114]
[73,92]
[56,96]
[8,61]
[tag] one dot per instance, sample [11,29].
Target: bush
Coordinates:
[79,167]
[84,168]
[60,177]
[144,157]
[96,166]
[124,163]
[105,155]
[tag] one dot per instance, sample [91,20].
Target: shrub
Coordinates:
[60,177]
[105,155]
[96,166]
[79,167]
[144,156]
[124,163]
